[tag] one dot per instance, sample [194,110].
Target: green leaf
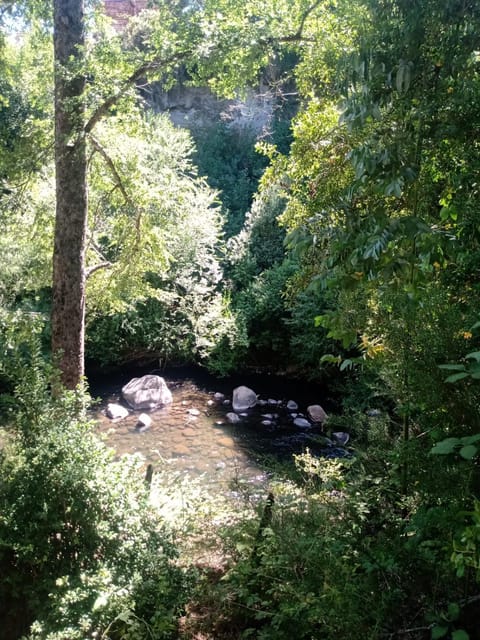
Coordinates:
[445,446]
[457,376]
[439,632]
[453,611]
[452,367]
[469,451]
[460,634]
[470,439]
[474,355]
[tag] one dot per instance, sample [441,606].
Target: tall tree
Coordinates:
[68,310]
[221,43]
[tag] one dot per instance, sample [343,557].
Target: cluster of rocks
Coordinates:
[151,392]
[245,399]
[147,393]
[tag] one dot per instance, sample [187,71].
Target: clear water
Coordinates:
[193,435]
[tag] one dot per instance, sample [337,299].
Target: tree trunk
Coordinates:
[68,305]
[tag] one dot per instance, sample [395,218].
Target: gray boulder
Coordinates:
[243,399]
[341,437]
[316,413]
[148,392]
[303,423]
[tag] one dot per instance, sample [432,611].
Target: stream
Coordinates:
[193,435]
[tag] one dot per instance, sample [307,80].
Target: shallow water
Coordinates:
[193,435]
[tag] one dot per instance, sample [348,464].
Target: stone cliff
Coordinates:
[195,107]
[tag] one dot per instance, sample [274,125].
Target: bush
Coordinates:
[80,548]
[342,555]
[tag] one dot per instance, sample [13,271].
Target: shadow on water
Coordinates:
[193,435]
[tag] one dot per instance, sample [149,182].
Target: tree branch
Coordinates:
[305,16]
[97,267]
[111,165]
[153,65]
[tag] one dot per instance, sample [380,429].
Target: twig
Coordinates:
[111,165]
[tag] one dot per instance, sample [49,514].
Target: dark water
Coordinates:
[193,435]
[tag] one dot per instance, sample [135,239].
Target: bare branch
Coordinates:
[111,165]
[97,267]
[305,16]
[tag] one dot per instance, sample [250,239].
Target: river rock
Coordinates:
[116,411]
[219,397]
[144,421]
[233,418]
[316,413]
[341,437]
[243,399]
[193,412]
[292,405]
[148,392]
[303,423]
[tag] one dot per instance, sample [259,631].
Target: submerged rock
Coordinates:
[148,392]
[292,405]
[243,399]
[233,418]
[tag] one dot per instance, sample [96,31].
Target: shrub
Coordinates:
[80,548]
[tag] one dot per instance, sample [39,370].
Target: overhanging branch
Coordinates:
[111,165]
[97,267]
[153,65]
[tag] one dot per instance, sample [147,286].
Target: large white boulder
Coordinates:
[148,392]
[243,399]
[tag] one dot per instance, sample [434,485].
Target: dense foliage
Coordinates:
[81,551]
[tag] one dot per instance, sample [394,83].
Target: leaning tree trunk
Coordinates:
[68,305]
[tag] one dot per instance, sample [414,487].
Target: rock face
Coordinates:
[316,413]
[243,399]
[148,392]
